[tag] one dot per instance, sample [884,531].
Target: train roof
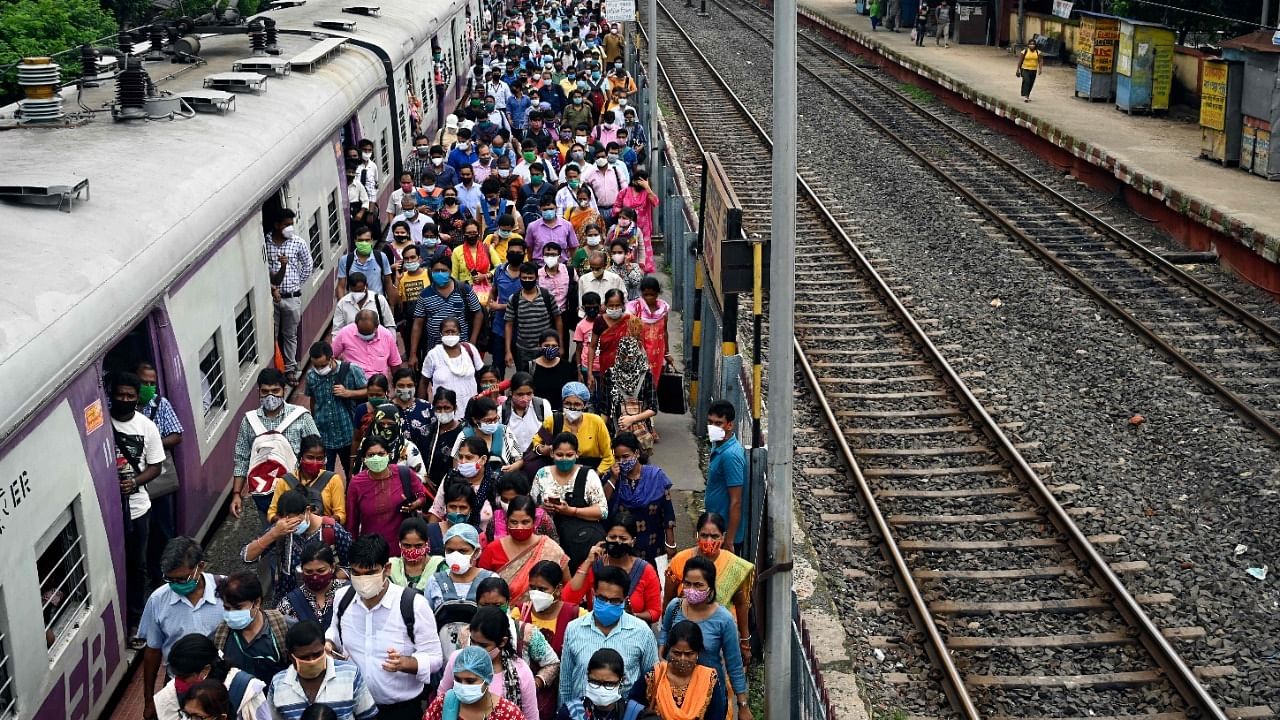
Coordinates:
[163,193]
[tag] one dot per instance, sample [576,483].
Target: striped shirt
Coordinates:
[631,637]
[531,318]
[160,412]
[460,305]
[299,267]
[342,689]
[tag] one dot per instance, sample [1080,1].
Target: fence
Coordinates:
[712,374]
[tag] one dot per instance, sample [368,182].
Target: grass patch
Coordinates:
[918,94]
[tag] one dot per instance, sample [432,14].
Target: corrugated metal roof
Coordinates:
[1259,41]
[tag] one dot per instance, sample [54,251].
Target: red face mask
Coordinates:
[709,547]
[312,468]
[521,534]
[316,583]
[413,554]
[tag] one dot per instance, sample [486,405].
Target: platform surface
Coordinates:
[1158,155]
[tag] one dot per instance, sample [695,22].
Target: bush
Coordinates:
[45,27]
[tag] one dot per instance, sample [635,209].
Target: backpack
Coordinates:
[533,462]
[237,689]
[513,309]
[314,492]
[578,536]
[407,595]
[538,405]
[386,270]
[452,617]
[271,456]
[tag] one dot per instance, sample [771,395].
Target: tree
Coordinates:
[47,27]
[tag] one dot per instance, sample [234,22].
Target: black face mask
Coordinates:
[123,410]
[528,284]
[514,258]
[616,549]
[591,311]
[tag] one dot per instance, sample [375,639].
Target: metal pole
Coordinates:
[782,293]
[1266,12]
[651,81]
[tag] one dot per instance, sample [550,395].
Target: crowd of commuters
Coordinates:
[460,513]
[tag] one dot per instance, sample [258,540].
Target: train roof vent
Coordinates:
[282,4]
[366,10]
[237,82]
[215,101]
[338,24]
[263,65]
[315,56]
[40,191]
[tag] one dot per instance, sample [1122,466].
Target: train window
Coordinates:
[246,335]
[7,698]
[213,384]
[315,237]
[385,147]
[64,578]
[335,219]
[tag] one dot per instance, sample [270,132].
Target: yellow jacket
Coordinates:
[334,497]
[593,439]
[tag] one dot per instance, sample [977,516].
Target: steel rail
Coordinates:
[1179,674]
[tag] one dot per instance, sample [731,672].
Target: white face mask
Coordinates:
[541,600]
[450,340]
[367,155]
[437,162]
[715,433]
[322,371]
[367,586]
[573,416]
[551,260]
[593,240]
[618,258]
[459,563]
[614,313]
[601,696]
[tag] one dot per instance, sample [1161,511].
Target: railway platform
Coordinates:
[1153,161]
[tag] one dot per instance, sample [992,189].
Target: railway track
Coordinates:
[1226,347]
[990,564]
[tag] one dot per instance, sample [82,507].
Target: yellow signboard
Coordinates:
[1213,96]
[1162,76]
[1096,43]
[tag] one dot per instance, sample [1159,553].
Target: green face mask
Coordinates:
[564,465]
[377,463]
[146,394]
[364,248]
[186,587]
[528,156]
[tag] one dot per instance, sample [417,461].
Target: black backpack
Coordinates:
[578,536]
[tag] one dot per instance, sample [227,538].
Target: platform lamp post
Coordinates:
[781,403]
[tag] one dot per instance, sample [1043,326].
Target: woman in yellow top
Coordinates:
[734,575]
[314,481]
[595,449]
[506,232]
[1029,67]
[474,261]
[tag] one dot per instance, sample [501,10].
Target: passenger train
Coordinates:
[152,247]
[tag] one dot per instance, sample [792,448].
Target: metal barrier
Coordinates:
[713,375]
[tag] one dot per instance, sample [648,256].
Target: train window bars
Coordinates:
[335,219]
[386,154]
[8,700]
[213,385]
[64,580]
[246,333]
[315,238]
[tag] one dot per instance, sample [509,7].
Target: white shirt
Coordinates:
[368,170]
[415,225]
[254,706]
[368,632]
[500,92]
[345,312]
[357,193]
[524,428]
[587,282]
[143,438]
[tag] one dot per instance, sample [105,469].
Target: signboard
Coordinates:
[93,417]
[1062,8]
[620,10]
[721,220]
[1124,60]
[1213,96]
[1162,77]
[1096,43]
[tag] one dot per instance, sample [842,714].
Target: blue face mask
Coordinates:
[548,215]
[469,694]
[457,518]
[607,614]
[237,619]
[302,528]
[440,277]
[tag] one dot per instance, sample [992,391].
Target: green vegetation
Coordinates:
[44,27]
[918,94]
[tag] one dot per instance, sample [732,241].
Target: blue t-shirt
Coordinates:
[518,107]
[373,268]
[504,286]
[728,469]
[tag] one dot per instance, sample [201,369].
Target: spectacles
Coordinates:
[192,576]
[597,685]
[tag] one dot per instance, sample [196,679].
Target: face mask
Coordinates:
[521,534]
[468,470]
[710,547]
[626,466]
[613,158]
[577,101]
[551,353]
[535,179]
[528,284]
[541,600]
[377,463]
[616,549]
[573,416]
[412,266]
[469,694]
[618,258]
[601,162]
[237,619]
[302,528]
[595,75]
[581,139]
[409,214]
[366,155]
[681,667]
[489,428]
[182,687]
[146,394]
[123,410]
[364,248]
[607,614]
[696,597]
[715,433]
[423,150]
[368,337]
[271,403]
[429,187]
[624,223]
[489,107]
[404,393]
[459,563]
[601,696]
[551,260]
[444,418]
[439,278]
[564,465]
[186,587]
[367,586]
[593,240]
[316,583]
[450,340]
[437,161]
[430,242]
[414,555]
[311,669]
[548,215]
[312,468]
[614,313]
[504,172]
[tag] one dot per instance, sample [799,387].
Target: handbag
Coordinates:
[671,391]
[166,483]
[913,34]
[643,430]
